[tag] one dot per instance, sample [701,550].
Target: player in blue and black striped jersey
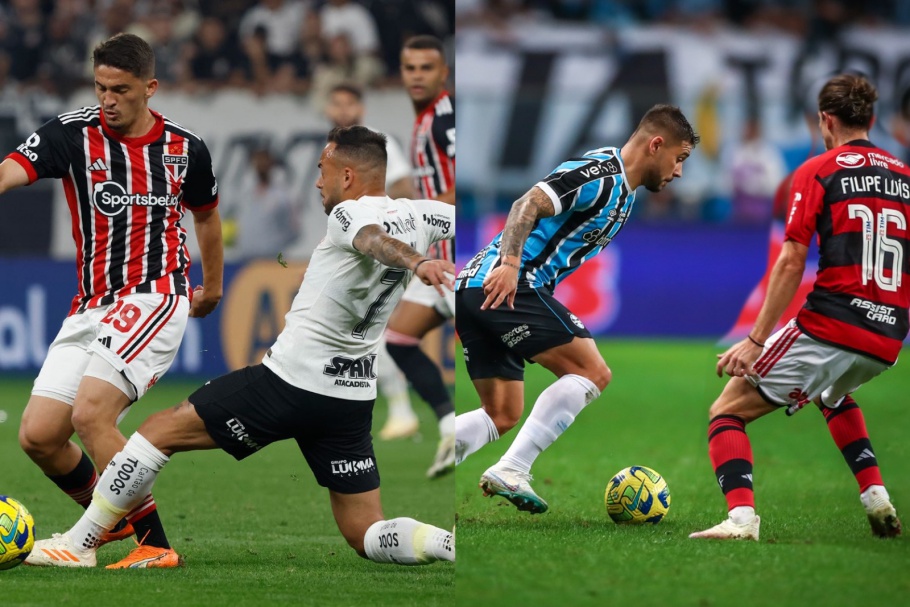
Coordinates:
[551,230]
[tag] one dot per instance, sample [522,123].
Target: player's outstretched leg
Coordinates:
[403,541]
[554,411]
[731,456]
[848,429]
[136,467]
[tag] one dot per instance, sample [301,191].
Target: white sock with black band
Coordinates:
[126,481]
[405,541]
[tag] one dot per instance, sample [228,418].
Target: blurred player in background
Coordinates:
[562,221]
[317,383]
[854,322]
[345,108]
[424,73]
[128,173]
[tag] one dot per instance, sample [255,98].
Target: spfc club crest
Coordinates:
[175,163]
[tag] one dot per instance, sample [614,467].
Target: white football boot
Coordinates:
[728,530]
[445,457]
[881,513]
[515,487]
[59,551]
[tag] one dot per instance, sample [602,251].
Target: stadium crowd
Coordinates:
[269,46]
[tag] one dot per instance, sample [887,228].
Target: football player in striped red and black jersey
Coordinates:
[855,197]
[424,73]
[128,174]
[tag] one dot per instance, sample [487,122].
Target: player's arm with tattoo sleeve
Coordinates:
[502,282]
[372,240]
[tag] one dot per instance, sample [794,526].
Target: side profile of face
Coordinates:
[334,178]
[665,164]
[123,96]
[424,73]
[344,109]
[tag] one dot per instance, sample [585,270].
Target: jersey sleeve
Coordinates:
[806,201]
[200,188]
[43,154]
[346,220]
[444,132]
[438,220]
[579,182]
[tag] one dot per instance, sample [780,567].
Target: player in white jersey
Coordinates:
[346,108]
[317,384]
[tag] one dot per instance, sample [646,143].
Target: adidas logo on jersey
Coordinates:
[98,165]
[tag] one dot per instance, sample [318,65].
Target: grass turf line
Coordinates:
[255,532]
[816,544]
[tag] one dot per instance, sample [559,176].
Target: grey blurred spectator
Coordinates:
[270,35]
[354,21]
[214,59]
[340,65]
[61,70]
[169,50]
[756,168]
[117,17]
[22,39]
[265,217]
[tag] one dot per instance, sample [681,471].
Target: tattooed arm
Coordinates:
[501,283]
[372,240]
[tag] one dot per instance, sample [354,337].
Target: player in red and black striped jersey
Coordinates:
[424,73]
[856,197]
[128,174]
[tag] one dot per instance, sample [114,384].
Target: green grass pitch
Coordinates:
[257,532]
[816,547]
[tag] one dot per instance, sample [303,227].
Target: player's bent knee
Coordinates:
[601,377]
[38,445]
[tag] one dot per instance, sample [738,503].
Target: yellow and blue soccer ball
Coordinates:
[637,495]
[17,532]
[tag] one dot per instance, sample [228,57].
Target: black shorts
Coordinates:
[248,409]
[497,342]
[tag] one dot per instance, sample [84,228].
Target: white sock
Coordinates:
[880,492]
[742,515]
[404,541]
[554,411]
[394,386]
[473,430]
[126,481]
[447,424]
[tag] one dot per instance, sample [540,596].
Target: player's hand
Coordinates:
[437,272]
[738,360]
[500,285]
[203,302]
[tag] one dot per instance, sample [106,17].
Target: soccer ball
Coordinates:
[637,495]
[17,532]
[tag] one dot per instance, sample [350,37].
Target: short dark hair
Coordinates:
[126,52]
[350,88]
[425,42]
[360,144]
[669,119]
[851,98]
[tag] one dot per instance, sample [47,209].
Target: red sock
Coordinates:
[731,456]
[848,429]
[80,482]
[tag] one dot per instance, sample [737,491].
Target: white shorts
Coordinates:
[137,336]
[795,369]
[426,295]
